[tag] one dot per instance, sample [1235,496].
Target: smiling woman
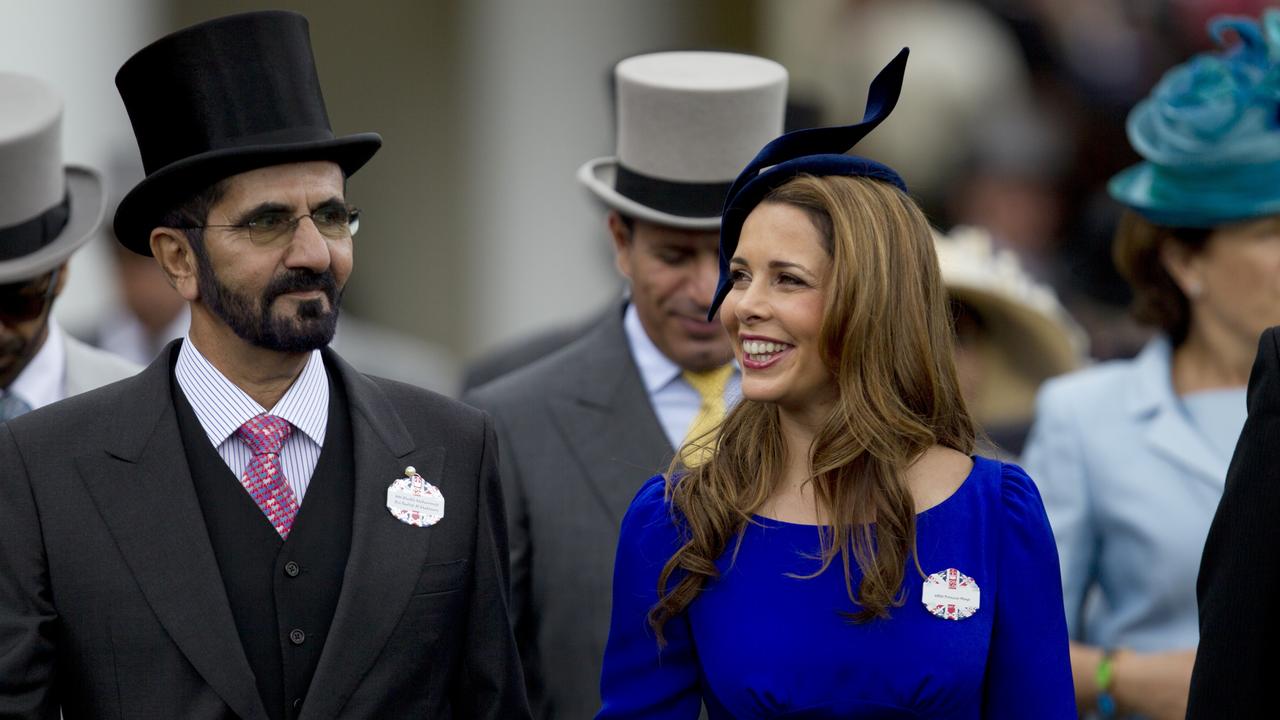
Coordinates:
[838,553]
[835,281]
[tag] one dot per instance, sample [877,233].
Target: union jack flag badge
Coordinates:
[950,595]
[414,501]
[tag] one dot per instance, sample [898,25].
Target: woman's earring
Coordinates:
[1194,290]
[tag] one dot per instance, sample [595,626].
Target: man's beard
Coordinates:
[311,328]
[13,349]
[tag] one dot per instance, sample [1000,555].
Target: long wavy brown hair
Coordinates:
[887,340]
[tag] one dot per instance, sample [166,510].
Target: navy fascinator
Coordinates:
[816,151]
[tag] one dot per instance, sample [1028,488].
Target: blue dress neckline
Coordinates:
[978,461]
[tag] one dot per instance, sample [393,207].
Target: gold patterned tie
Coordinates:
[710,385]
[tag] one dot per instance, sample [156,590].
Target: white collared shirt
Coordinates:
[44,380]
[222,407]
[674,400]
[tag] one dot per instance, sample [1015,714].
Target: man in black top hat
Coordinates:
[250,528]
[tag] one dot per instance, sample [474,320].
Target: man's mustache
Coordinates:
[300,280]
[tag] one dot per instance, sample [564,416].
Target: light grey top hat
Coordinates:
[47,210]
[688,122]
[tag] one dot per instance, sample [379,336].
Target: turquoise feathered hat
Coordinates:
[1210,133]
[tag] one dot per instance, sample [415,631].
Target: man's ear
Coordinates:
[622,242]
[172,250]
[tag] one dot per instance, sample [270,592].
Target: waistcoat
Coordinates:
[282,593]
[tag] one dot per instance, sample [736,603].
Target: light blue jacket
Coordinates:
[1130,486]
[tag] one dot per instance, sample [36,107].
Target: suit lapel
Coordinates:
[386,555]
[1169,432]
[143,490]
[608,421]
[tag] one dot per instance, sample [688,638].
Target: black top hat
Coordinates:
[220,98]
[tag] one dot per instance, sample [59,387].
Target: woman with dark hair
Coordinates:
[1132,455]
[835,551]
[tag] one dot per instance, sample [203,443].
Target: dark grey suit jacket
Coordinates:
[111,603]
[577,437]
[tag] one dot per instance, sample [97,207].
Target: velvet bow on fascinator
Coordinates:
[1210,133]
[816,151]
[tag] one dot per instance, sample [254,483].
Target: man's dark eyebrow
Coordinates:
[259,209]
[331,202]
[275,207]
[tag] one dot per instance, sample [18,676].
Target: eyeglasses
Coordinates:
[274,227]
[25,301]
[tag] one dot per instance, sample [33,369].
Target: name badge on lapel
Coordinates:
[950,595]
[414,501]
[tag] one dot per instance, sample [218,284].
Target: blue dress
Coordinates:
[757,643]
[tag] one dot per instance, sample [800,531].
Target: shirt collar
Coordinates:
[41,381]
[656,370]
[222,407]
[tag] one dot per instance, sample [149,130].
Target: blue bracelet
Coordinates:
[1106,705]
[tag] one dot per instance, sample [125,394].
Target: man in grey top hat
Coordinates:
[47,211]
[581,429]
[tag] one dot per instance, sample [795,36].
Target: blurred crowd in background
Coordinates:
[1012,119]
[477,238]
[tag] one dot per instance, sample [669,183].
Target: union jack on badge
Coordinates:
[414,501]
[950,595]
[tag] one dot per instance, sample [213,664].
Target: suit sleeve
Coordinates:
[1236,663]
[492,683]
[27,616]
[1029,664]
[1053,456]
[639,679]
[521,557]
[521,553]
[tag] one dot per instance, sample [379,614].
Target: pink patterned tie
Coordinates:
[264,476]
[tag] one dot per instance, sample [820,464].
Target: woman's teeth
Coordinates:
[759,351]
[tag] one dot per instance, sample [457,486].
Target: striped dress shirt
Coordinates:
[222,407]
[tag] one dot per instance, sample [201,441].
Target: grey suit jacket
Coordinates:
[577,437]
[89,368]
[112,605]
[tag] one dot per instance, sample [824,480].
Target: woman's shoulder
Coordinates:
[649,519]
[651,497]
[1105,380]
[1011,490]
[1083,385]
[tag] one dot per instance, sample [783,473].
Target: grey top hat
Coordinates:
[47,210]
[687,124]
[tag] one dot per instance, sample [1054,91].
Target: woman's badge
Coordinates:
[950,595]
[414,501]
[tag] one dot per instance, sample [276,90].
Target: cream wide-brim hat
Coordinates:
[34,184]
[688,122]
[1029,336]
